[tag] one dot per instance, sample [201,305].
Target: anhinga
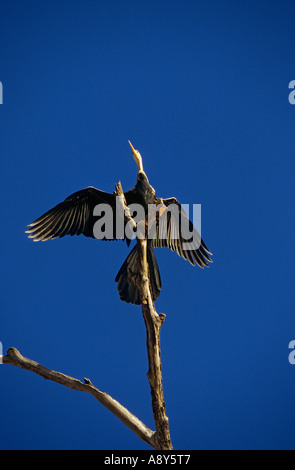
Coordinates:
[74,216]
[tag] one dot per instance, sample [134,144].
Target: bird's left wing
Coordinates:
[178,233]
[73,216]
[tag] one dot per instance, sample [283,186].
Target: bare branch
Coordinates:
[153,323]
[15,358]
[123,204]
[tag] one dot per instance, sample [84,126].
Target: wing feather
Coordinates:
[178,234]
[73,216]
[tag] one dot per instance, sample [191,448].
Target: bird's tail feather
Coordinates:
[130,269]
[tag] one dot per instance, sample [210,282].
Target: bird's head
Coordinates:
[137,157]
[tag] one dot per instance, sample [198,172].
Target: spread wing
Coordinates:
[174,230]
[73,216]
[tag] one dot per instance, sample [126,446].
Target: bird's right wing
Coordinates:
[73,216]
[178,233]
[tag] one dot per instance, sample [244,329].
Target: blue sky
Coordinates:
[201,90]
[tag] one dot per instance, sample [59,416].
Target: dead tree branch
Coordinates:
[153,323]
[15,358]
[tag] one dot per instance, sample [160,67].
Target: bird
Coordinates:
[76,215]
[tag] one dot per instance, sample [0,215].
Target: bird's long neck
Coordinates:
[139,164]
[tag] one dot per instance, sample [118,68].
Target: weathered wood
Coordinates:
[153,323]
[15,358]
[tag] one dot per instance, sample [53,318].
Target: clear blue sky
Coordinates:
[201,90]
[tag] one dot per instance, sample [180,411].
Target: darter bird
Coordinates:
[76,216]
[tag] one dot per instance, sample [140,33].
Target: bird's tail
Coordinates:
[130,269]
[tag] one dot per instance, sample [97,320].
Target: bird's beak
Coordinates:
[137,157]
[133,149]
